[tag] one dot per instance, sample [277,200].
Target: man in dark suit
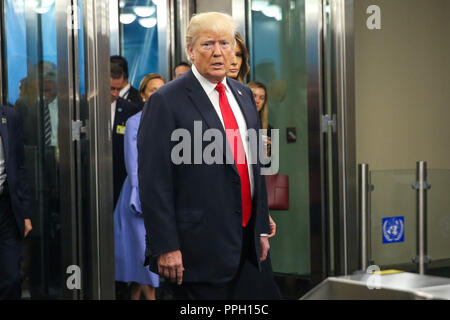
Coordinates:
[15,208]
[121,110]
[204,220]
[127,92]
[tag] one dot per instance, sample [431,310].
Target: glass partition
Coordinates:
[31,55]
[278,60]
[392,217]
[438,217]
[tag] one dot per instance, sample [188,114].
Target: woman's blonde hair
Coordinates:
[264,112]
[245,67]
[145,80]
[209,21]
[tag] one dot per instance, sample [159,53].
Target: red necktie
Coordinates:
[238,152]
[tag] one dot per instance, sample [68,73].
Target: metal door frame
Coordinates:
[344,202]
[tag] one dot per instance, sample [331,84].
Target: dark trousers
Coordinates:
[228,290]
[10,253]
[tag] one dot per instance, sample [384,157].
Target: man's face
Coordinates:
[180,70]
[212,54]
[116,86]
[49,90]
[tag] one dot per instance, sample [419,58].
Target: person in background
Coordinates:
[129,230]
[239,67]
[260,94]
[180,69]
[15,203]
[121,110]
[149,84]
[239,70]
[268,289]
[127,92]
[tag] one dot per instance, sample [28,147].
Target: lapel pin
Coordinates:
[119,110]
[3,120]
[240,93]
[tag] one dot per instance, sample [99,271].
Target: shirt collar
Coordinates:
[124,90]
[207,85]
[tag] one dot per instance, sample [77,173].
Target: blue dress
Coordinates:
[129,230]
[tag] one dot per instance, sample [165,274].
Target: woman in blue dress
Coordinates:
[129,230]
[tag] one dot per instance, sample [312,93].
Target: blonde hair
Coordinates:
[209,21]
[145,80]
[264,112]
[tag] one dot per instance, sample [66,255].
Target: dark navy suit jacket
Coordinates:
[195,208]
[11,130]
[124,110]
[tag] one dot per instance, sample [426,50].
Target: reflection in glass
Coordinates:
[139,38]
[32,88]
[278,61]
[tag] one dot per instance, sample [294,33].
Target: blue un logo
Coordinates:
[393,229]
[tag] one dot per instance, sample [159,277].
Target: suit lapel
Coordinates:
[118,113]
[4,132]
[249,114]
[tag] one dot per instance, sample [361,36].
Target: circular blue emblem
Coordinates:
[393,229]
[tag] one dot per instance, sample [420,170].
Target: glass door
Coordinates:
[285,56]
[37,81]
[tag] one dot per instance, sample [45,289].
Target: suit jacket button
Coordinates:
[238,211]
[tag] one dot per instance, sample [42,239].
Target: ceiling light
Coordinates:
[273,11]
[127,18]
[147,22]
[259,5]
[144,11]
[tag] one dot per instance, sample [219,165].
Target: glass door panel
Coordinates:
[278,60]
[392,218]
[438,221]
[35,87]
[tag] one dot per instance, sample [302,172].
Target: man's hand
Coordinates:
[265,246]
[273,227]
[28,227]
[170,265]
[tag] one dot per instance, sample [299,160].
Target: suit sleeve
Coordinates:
[156,175]
[23,189]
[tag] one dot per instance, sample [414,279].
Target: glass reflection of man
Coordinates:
[38,105]
[47,71]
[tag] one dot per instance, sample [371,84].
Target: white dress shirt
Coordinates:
[2,166]
[213,95]
[113,113]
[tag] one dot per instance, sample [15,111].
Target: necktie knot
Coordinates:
[220,88]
